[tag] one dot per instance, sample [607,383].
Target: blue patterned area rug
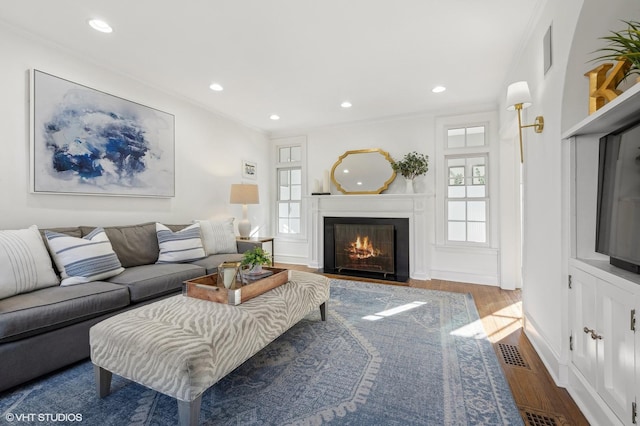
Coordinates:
[387,355]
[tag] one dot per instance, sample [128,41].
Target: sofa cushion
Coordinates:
[72,231]
[149,281]
[184,245]
[24,262]
[82,260]
[56,307]
[134,244]
[211,263]
[218,236]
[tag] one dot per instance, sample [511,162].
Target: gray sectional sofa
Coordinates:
[48,328]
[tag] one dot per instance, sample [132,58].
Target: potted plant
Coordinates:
[623,45]
[255,258]
[410,167]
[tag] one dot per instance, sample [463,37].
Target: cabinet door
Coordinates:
[583,314]
[616,348]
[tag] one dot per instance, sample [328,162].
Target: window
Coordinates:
[467,201]
[289,182]
[465,137]
[467,196]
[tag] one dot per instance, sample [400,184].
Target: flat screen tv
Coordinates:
[618,216]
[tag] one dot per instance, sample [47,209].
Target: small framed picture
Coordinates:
[249,170]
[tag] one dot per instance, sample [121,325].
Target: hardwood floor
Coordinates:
[540,401]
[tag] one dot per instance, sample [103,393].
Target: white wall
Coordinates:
[544,296]
[324,145]
[208,148]
[399,136]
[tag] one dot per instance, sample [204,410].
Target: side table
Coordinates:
[261,240]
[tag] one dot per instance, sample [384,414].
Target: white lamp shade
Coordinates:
[244,193]
[518,93]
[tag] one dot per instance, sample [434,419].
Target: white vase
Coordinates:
[409,189]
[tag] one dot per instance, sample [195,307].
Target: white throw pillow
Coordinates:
[25,264]
[218,236]
[182,246]
[82,260]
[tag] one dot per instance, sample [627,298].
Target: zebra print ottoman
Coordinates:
[181,346]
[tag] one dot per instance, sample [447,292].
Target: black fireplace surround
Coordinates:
[391,266]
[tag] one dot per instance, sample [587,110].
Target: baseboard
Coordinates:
[420,276]
[547,354]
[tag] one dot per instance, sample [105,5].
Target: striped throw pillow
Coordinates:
[182,246]
[82,260]
[25,264]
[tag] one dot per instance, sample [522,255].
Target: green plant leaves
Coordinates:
[412,165]
[623,45]
[256,256]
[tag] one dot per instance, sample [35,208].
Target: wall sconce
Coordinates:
[244,193]
[519,98]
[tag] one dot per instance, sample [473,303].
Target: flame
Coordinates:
[362,248]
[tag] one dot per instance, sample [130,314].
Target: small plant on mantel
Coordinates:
[256,257]
[412,165]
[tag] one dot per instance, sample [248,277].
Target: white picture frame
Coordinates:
[249,170]
[88,142]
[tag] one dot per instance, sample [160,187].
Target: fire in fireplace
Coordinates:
[367,247]
[362,249]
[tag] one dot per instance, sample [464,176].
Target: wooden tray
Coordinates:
[207,287]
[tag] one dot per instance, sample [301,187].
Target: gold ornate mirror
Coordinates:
[363,171]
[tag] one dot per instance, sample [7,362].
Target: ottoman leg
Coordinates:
[103,381]
[323,311]
[189,412]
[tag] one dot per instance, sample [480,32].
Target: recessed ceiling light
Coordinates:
[216,87]
[346,104]
[438,89]
[358,183]
[345,171]
[274,117]
[101,26]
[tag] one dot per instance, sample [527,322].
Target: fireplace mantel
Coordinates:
[411,206]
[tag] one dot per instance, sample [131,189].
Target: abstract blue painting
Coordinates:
[85,141]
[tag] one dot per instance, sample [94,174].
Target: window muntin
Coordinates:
[467,199]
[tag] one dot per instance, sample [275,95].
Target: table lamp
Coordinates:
[244,193]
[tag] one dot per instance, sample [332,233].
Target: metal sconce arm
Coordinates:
[538,126]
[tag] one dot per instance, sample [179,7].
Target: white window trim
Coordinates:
[491,149]
[300,141]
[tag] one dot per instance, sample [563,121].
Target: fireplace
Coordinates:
[367,247]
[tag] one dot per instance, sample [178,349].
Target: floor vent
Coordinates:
[537,418]
[511,356]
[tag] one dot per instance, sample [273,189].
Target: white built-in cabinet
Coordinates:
[604,364]
[602,339]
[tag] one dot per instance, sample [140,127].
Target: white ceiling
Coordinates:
[297,58]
